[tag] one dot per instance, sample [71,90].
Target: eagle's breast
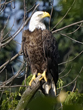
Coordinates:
[34,44]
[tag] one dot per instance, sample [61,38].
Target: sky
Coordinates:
[17,12]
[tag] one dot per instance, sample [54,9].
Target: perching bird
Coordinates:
[40,49]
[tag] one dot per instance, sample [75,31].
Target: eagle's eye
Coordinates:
[39,15]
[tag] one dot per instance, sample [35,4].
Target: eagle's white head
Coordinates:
[36,20]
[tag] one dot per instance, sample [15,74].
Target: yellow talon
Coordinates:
[43,76]
[33,78]
[38,74]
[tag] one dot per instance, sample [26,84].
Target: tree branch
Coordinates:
[28,94]
[71,38]
[63,16]
[71,59]
[60,29]
[19,30]
[71,81]
[12,78]
[2,66]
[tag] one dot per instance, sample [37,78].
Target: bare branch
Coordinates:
[4,40]
[2,66]
[28,94]
[74,87]
[2,69]
[12,78]
[72,38]
[14,4]
[13,86]
[63,16]
[75,29]
[71,59]
[63,70]
[60,29]
[5,3]
[31,8]
[65,74]
[6,23]
[51,14]
[2,9]
[71,81]
[20,29]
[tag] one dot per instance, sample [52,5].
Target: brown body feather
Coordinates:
[33,47]
[40,48]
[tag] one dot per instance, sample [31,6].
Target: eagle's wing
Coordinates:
[51,54]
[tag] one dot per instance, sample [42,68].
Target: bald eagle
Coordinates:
[41,51]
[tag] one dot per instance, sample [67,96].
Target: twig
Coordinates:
[68,83]
[2,69]
[31,8]
[63,70]
[2,66]
[6,23]
[14,5]
[17,32]
[74,87]
[75,29]
[4,40]
[13,86]
[71,38]
[60,29]
[63,16]
[72,81]
[12,78]
[71,59]
[65,74]
[51,14]
[5,3]
[2,9]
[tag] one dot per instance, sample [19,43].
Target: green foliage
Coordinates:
[27,80]
[74,97]
[10,100]
[60,83]
[21,89]
[73,101]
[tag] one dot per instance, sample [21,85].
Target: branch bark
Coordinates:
[28,94]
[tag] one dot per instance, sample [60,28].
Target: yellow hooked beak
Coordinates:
[45,14]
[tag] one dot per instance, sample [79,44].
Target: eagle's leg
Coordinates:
[33,78]
[43,76]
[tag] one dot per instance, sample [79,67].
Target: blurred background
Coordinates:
[13,14]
